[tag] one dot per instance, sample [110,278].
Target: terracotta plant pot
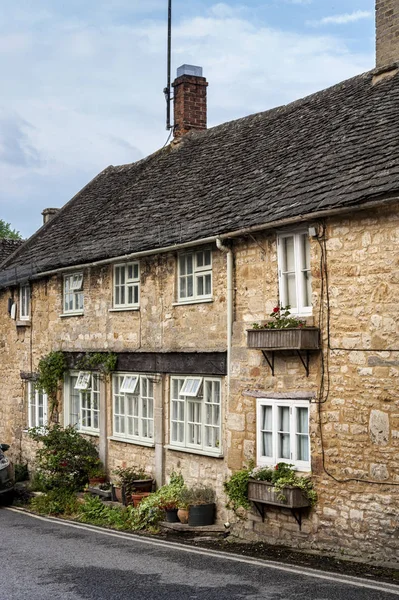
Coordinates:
[137,498]
[118,494]
[93,481]
[182,515]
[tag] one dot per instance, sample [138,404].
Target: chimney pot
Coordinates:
[48,214]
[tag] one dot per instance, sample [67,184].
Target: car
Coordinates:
[7,477]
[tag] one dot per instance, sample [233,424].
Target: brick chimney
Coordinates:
[189,100]
[387,32]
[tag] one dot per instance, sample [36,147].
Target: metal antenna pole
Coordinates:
[168,85]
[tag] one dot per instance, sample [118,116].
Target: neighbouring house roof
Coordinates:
[7,247]
[335,149]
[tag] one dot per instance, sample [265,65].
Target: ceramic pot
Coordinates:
[182,515]
[137,498]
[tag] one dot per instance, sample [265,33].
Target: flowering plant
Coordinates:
[281,319]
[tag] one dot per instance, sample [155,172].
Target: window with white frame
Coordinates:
[37,406]
[127,285]
[283,432]
[133,407]
[24,302]
[195,413]
[73,294]
[82,405]
[195,275]
[294,272]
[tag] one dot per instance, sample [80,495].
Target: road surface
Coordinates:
[47,559]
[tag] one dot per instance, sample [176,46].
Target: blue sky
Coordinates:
[82,80]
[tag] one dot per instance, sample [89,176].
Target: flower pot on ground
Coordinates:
[138,497]
[97,475]
[117,495]
[182,515]
[201,503]
[171,515]
[132,480]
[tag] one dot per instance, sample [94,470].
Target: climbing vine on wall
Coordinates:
[104,362]
[51,371]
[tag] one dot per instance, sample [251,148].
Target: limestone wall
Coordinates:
[354,412]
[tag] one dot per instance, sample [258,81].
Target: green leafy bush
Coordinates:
[92,510]
[65,458]
[55,502]
[236,489]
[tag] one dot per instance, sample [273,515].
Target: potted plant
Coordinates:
[97,474]
[283,332]
[131,480]
[201,505]
[170,497]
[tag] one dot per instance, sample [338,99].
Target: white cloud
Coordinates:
[342,19]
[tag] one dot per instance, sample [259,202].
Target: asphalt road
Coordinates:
[43,559]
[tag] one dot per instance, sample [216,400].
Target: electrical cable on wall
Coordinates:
[324,388]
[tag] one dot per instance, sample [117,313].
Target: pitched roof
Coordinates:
[7,247]
[337,148]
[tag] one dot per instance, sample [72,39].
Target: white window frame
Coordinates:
[37,400]
[88,403]
[130,284]
[293,405]
[24,302]
[301,271]
[129,384]
[84,380]
[182,428]
[73,289]
[133,410]
[199,273]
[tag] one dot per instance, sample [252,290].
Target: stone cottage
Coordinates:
[168,262]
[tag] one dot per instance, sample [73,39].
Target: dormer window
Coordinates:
[73,293]
[195,276]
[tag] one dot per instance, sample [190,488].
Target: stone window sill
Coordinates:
[193,451]
[135,442]
[23,323]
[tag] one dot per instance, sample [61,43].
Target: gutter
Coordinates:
[212,239]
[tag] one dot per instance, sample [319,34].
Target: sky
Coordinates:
[82,80]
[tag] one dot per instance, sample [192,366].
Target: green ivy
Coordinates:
[236,489]
[51,371]
[105,362]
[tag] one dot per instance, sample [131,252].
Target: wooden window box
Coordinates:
[298,338]
[301,340]
[265,493]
